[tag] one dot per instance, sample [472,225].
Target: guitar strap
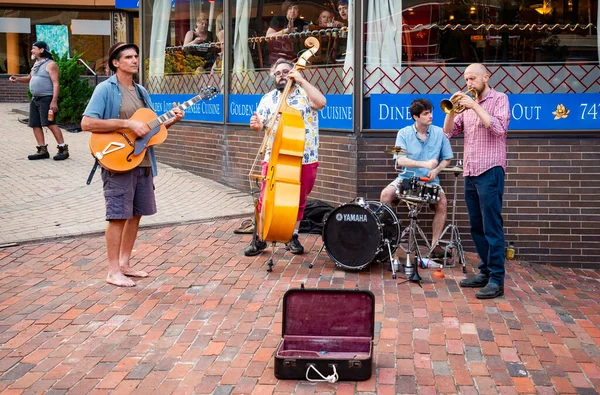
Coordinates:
[89,180]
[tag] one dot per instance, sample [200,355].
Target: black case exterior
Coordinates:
[322,320]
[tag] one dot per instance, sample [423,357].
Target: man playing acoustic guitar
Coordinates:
[128,195]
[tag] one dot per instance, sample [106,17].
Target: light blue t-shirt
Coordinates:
[435,146]
[106,104]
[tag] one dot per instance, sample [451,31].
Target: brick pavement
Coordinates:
[208,319]
[47,199]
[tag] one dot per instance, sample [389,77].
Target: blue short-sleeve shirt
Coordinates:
[106,104]
[435,146]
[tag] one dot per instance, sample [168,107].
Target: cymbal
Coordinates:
[397,151]
[455,169]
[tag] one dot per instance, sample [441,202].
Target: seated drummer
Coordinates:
[430,152]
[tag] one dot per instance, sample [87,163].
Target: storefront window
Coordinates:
[183,43]
[538,31]
[543,53]
[265,31]
[84,32]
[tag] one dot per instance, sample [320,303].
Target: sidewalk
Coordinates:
[208,319]
[47,199]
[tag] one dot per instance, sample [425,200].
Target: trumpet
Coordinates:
[452,106]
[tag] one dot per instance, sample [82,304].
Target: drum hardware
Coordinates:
[455,242]
[270,261]
[409,234]
[415,278]
[408,268]
[397,151]
[452,105]
[359,233]
[394,264]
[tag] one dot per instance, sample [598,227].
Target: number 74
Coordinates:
[589,109]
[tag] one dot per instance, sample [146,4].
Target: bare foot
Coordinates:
[133,273]
[119,280]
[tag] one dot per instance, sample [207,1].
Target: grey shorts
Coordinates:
[38,112]
[129,194]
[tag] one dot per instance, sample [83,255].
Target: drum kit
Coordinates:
[364,232]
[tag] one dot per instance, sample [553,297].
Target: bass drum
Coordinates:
[356,234]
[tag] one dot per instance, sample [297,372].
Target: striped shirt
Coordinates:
[485,147]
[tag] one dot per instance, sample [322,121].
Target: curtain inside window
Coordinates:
[242,59]
[161,12]
[349,59]
[211,16]
[384,41]
[195,10]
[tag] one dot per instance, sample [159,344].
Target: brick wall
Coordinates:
[227,158]
[12,92]
[552,195]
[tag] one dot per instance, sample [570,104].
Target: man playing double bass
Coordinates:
[307,99]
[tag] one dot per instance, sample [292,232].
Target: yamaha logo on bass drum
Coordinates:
[351,217]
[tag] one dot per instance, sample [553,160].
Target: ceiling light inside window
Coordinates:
[544,8]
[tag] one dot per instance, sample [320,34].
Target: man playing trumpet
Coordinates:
[430,152]
[484,124]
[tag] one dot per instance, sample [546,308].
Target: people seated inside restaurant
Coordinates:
[192,43]
[290,23]
[219,28]
[285,48]
[343,11]
[200,34]
[327,19]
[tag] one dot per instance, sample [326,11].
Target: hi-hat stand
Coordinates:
[412,230]
[454,244]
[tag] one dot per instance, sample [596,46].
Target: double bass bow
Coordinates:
[276,218]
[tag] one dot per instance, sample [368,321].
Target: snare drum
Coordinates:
[357,233]
[416,191]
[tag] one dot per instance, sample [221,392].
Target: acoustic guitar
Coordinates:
[122,150]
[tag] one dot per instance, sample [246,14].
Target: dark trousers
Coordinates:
[483,195]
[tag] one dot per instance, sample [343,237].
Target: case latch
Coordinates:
[289,363]
[354,364]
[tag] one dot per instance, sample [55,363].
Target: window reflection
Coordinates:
[188,41]
[541,31]
[279,29]
[20,29]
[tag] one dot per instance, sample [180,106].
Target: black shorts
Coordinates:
[38,112]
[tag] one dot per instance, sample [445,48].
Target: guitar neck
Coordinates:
[170,114]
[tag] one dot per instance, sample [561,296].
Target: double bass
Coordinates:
[276,218]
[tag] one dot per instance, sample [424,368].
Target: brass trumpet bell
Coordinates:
[449,106]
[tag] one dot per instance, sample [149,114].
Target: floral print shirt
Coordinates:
[299,100]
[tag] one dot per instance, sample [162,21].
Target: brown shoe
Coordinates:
[246,227]
[42,153]
[63,152]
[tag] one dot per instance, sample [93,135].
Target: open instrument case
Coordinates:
[327,335]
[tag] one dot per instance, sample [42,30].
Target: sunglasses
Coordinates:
[282,72]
